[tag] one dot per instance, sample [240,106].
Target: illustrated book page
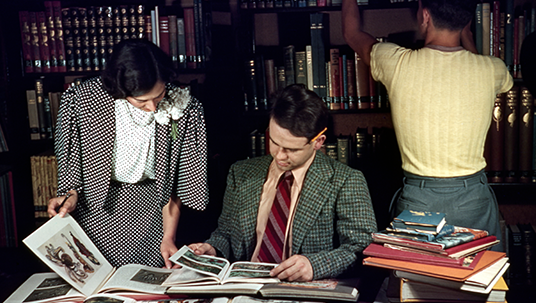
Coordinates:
[64,247]
[45,287]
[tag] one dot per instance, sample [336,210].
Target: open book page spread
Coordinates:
[221,269]
[45,287]
[139,278]
[249,299]
[63,246]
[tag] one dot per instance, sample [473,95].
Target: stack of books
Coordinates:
[432,260]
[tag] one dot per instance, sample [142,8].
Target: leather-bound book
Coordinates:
[495,165]
[271,79]
[260,82]
[511,136]
[290,69]
[85,50]
[68,39]
[93,43]
[51,31]
[334,77]
[350,75]
[77,39]
[24,19]
[362,83]
[319,36]
[526,122]
[34,34]
[58,28]
[164,33]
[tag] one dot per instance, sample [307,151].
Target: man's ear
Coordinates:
[319,142]
[426,18]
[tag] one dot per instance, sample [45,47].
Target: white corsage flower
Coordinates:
[171,108]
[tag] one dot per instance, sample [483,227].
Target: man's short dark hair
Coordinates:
[452,15]
[134,68]
[300,111]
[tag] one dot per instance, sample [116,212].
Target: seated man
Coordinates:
[329,211]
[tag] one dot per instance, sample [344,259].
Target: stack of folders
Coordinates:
[434,261]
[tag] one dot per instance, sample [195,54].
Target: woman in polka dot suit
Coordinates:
[131,149]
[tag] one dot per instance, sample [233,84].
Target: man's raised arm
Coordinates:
[360,41]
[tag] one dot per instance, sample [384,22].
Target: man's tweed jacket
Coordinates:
[333,221]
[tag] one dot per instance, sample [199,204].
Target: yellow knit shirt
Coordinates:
[441,105]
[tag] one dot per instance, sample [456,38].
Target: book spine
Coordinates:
[361,141]
[33,115]
[34,32]
[108,32]
[301,68]
[519,36]
[496,140]
[125,22]
[41,111]
[76,24]
[93,43]
[51,31]
[117,24]
[173,42]
[44,49]
[496,28]
[181,43]
[142,22]
[271,79]
[350,79]
[509,35]
[309,60]
[290,70]
[85,40]
[526,122]
[164,34]
[343,68]
[281,77]
[252,96]
[343,150]
[189,35]
[318,25]
[373,96]
[362,83]
[335,76]
[331,150]
[198,30]
[260,82]
[253,144]
[511,133]
[60,43]
[478,28]
[485,29]
[26,38]
[528,242]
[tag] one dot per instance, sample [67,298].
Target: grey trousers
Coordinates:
[467,201]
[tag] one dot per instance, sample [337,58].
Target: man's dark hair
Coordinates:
[301,111]
[452,15]
[134,68]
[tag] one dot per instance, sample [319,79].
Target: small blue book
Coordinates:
[423,221]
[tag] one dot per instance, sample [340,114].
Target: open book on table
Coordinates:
[215,270]
[64,247]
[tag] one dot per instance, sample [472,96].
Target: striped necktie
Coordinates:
[274,235]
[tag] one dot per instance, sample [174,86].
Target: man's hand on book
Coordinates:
[62,205]
[295,268]
[203,249]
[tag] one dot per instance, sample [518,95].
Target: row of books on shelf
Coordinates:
[347,149]
[61,239]
[347,80]
[500,28]
[434,261]
[44,172]
[43,109]
[8,219]
[510,148]
[66,39]
[261,4]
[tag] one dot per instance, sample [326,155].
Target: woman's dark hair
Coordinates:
[301,111]
[452,15]
[134,68]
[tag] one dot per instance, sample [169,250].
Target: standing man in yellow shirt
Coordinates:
[442,97]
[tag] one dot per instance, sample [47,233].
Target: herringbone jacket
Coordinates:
[333,222]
